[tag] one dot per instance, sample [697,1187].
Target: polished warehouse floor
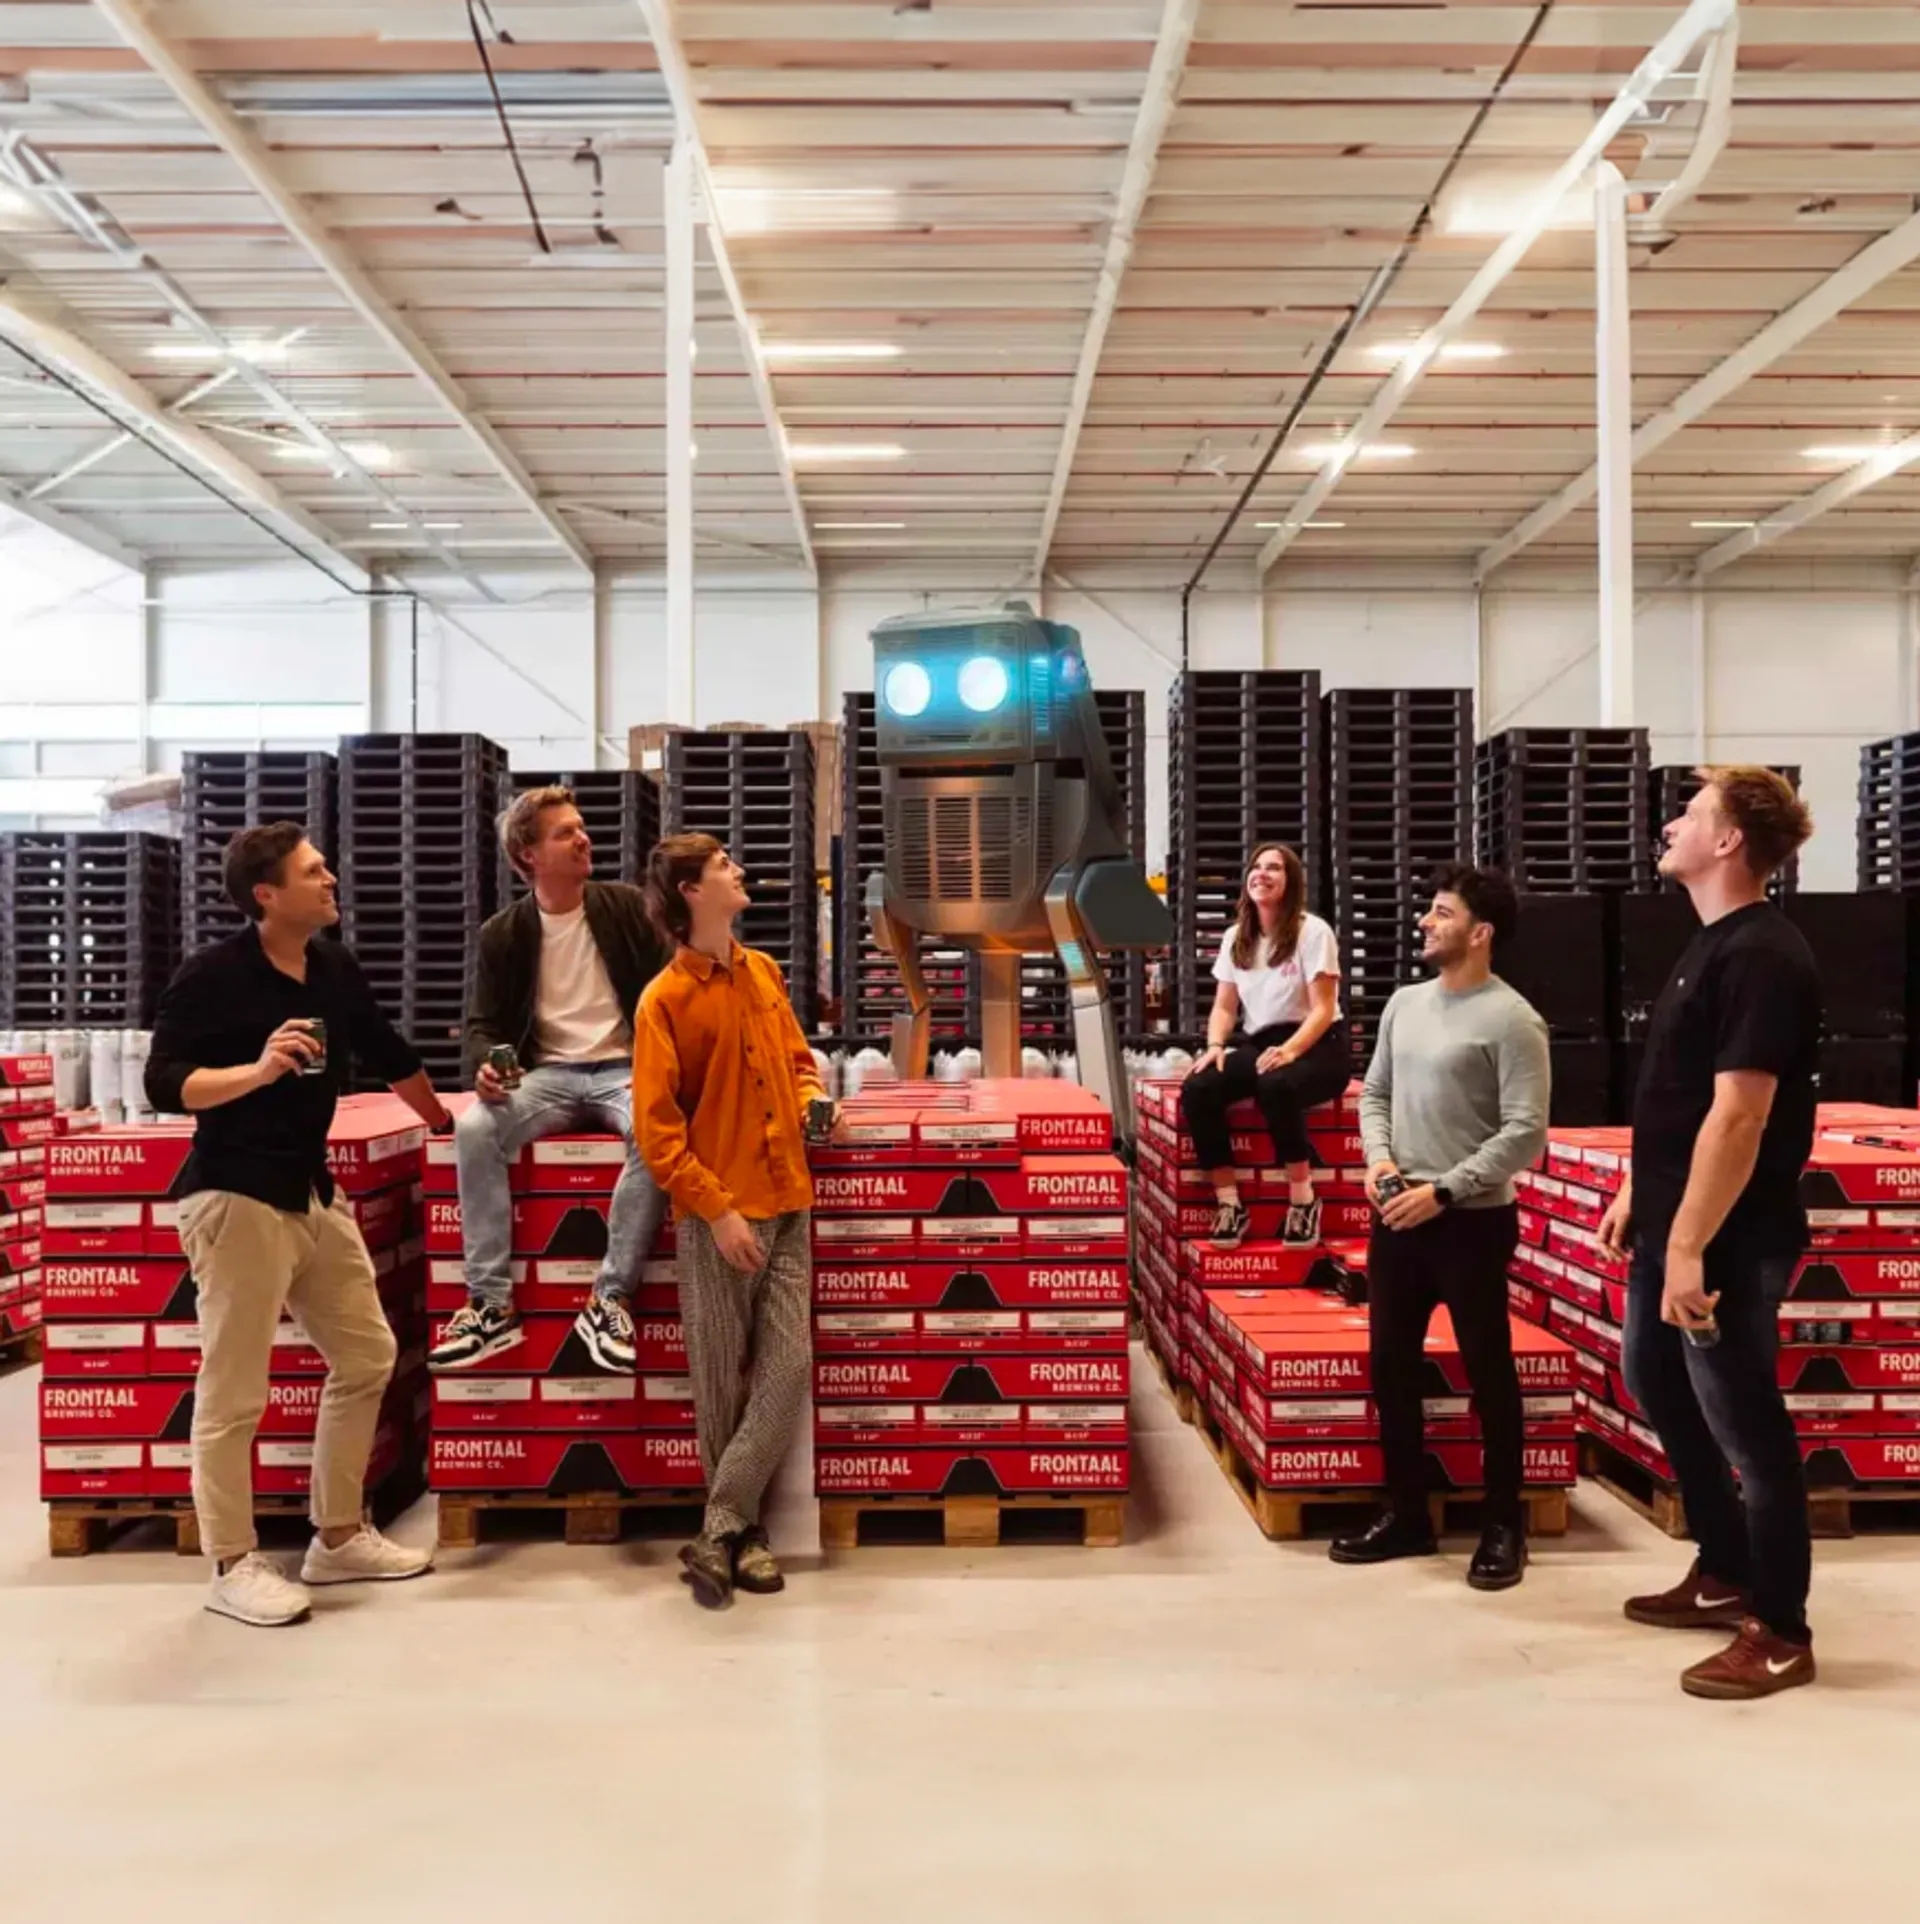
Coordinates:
[1200,1725]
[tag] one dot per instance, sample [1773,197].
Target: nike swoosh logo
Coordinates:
[1780,1669]
[1709,1603]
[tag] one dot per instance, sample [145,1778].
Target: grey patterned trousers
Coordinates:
[750,1352]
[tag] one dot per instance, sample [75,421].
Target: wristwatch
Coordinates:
[1443,1195]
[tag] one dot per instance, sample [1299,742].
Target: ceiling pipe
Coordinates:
[132,19]
[678,75]
[1164,75]
[1877,261]
[1701,17]
[1810,507]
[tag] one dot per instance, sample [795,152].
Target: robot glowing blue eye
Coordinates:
[983,684]
[907,689]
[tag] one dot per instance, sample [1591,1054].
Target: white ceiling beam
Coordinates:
[1164,74]
[1714,89]
[133,20]
[1876,262]
[125,400]
[1700,18]
[59,521]
[1810,507]
[678,74]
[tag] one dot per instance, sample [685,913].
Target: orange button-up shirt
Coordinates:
[721,1074]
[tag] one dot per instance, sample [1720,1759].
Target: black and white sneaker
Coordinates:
[607,1330]
[1230,1225]
[476,1332]
[1303,1223]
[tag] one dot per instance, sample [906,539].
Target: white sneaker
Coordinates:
[367,1557]
[256,1590]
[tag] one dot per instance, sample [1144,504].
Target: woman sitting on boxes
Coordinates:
[1279,976]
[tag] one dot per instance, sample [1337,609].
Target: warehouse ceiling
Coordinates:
[928,186]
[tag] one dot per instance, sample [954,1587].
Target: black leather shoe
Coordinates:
[1389,1536]
[1501,1560]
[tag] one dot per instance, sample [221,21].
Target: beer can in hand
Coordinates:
[504,1060]
[317,1066]
[819,1118]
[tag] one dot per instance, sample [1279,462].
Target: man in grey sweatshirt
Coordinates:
[1455,1106]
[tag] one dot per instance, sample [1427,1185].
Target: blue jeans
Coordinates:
[1719,1411]
[556,1096]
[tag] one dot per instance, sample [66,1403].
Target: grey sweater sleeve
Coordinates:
[1376,1093]
[1525,1082]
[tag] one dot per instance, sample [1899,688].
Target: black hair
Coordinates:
[257,855]
[1488,894]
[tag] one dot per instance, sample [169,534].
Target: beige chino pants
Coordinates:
[252,1262]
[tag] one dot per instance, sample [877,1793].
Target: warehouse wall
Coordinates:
[1803,660]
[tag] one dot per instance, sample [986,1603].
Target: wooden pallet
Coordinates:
[20,1351]
[1286,1516]
[589,1516]
[78,1526]
[1830,1513]
[974,1522]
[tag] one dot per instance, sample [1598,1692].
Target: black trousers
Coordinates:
[1459,1259]
[1284,1095]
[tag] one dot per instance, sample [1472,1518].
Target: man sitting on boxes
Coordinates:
[549,1037]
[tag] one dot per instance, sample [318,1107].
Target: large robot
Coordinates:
[1005,828]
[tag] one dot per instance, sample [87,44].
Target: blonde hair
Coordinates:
[1761,803]
[520,821]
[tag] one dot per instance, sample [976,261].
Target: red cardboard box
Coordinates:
[373,1149]
[1357,1418]
[552,1166]
[21,1192]
[1016,1284]
[1000,1379]
[842,1426]
[75,1469]
[26,1071]
[550,1347]
[110,1410]
[847,1332]
[282,1466]
[540,1286]
[102,1290]
[556,1464]
[989,1472]
[1259,1266]
[1547,1464]
[122,1162]
[571,1227]
[468,1402]
[1845,1176]
[1848,1463]
[21,1257]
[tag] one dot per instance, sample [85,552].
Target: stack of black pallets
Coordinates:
[1399,806]
[869,983]
[1565,810]
[753,790]
[621,809]
[420,871]
[89,928]
[1046,1018]
[1889,816]
[224,791]
[1673,785]
[1246,765]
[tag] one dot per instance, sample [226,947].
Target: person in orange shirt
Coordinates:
[722,1076]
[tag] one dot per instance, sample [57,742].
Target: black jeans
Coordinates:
[1460,1259]
[1284,1095]
[1719,1411]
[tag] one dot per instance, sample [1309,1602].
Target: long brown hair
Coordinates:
[1293,907]
[676,860]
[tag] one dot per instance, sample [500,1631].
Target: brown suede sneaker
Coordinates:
[754,1568]
[1755,1664]
[1694,1603]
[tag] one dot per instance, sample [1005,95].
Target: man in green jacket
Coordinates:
[558,977]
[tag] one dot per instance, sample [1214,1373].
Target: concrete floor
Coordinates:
[1199,1725]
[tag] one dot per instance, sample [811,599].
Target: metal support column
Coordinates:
[1700,731]
[149,666]
[679,191]
[1613,377]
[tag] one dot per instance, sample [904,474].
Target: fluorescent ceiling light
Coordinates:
[16,206]
[369,454]
[1344,450]
[780,352]
[1726,524]
[256,353]
[862,527]
[1453,351]
[821,451]
[1848,451]
[440,527]
[390,527]
[1304,525]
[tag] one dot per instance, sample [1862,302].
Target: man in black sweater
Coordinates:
[253,1037]
[557,978]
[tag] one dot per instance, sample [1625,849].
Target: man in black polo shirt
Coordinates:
[1722,1124]
[253,1037]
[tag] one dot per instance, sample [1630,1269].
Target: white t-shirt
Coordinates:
[1278,992]
[576,1016]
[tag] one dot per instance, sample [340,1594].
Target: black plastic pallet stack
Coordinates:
[1889,814]
[1399,806]
[222,791]
[1565,810]
[869,984]
[420,871]
[621,808]
[754,791]
[1246,762]
[1672,785]
[89,928]
[1045,1008]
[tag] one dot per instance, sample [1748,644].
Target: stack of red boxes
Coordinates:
[542,1419]
[1265,1337]
[970,1294]
[26,1127]
[1850,1325]
[122,1328]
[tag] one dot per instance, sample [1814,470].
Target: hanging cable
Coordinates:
[500,108]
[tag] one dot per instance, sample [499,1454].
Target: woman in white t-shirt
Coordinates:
[1279,977]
